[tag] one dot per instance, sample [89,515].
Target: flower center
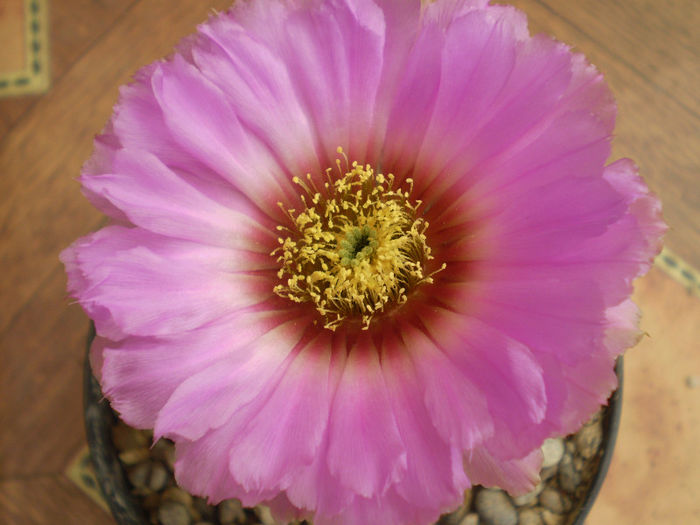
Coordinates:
[358,244]
[356,248]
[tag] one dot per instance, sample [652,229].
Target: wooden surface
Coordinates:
[11,35]
[654,476]
[649,53]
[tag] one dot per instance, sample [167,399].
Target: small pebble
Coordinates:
[589,438]
[178,495]
[467,500]
[530,517]
[206,511]
[134,456]
[529,499]
[231,511]
[566,502]
[164,450]
[173,513]
[548,473]
[151,502]
[549,518]
[470,519]
[454,518]
[569,477]
[138,475]
[495,508]
[265,515]
[552,451]
[158,478]
[551,499]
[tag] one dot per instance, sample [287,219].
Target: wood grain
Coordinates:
[11,35]
[41,377]
[654,475]
[76,25]
[48,500]
[662,49]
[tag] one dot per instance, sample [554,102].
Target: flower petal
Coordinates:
[457,407]
[517,476]
[134,282]
[434,469]
[158,199]
[286,432]
[138,120]
[504,370]
[203,123]
[212,396]
[140,374]
[363,427]
[257,85]
[335,57]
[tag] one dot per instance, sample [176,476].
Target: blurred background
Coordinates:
[61,63]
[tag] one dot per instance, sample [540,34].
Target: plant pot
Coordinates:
[129,509]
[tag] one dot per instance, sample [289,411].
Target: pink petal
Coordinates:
[314,488]
[418,85]
[553,218]
[317,490]
[456,406]
[203,123]
[105,146]
[263,451]
[211,397]
[591,382]
[133,282]
[629,245]
[365,450]
[623,330]
[506,372]
[286,432]
[201,468]
[138,121]
[552,316]
[434,477]
[259,89]
[334,55]
[402,23]
[158,199]
[517,476]
[487,80]
[570,151]
[389,508]
[140,374]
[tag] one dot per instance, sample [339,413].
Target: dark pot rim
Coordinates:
[110,474]
[99,419]
[611,425]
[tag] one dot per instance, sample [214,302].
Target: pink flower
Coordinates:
[362,351]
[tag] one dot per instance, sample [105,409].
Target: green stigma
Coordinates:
[358,244]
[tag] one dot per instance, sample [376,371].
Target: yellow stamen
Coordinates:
[355,249]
